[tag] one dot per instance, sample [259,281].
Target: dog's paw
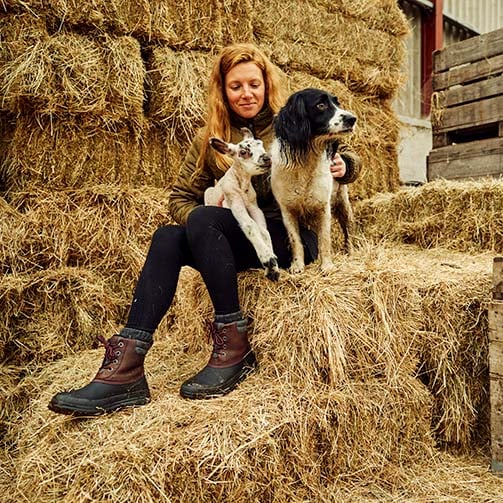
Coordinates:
[327,268]
[296,267]
[272,269]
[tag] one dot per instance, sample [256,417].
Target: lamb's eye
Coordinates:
[322,106]
[243,152]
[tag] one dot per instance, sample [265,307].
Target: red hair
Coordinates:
[218,123]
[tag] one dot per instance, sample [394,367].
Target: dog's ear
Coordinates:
[222,147]
[292,124]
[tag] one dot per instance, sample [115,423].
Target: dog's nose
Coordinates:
[349,120]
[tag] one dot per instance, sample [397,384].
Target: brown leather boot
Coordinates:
[120,382]
[230,363]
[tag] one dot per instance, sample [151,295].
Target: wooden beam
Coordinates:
[431,41]
[496,367]
[476,113]
[469,50]
[471,160]
[485,68]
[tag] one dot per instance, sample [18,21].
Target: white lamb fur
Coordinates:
[235,191]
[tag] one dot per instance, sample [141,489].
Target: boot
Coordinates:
[120,381]
[231,361]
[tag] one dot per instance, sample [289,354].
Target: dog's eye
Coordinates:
[322,106]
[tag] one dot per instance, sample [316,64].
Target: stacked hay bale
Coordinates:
[99,101]
[464,217]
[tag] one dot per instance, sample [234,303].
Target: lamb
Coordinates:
[235,191]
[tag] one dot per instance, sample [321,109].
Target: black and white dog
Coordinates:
[305,144]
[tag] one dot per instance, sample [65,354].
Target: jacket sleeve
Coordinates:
[188,191]
[353,166]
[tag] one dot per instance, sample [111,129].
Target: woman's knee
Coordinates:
[202,218]
[168,237]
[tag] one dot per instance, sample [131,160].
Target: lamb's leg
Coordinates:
[253,232]
[272,269]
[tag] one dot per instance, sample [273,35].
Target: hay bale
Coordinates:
[250,445]
[465,216]
[104,228]
[341,357]
[75,154]
[178,91]
[351,333]
[125,80]
[19,33]
[120,17]
[70,154]
[366,59]
[65,73]
[53,313]
[378,14]
[384,312]
[73,74]
[185,24]
[160,157]
[454,363]
[7,128]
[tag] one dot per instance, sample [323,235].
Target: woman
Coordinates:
[244,90]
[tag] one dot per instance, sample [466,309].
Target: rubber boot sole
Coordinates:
[88,408]
[227,387]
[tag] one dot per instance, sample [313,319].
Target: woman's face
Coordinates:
[245,89]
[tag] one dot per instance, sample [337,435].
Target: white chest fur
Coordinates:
[305,186]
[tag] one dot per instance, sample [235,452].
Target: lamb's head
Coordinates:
[249,153]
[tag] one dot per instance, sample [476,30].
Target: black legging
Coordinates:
[212,243]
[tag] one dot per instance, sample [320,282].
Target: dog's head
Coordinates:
[309,115]
[249,152]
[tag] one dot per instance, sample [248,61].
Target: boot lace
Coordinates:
[219,340]
[111,352]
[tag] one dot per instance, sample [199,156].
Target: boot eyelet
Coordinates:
[224,338]
[117,353]
[225,346]
[121,344]
[115,361]
[223,353]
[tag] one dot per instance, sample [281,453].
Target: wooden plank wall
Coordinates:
[467,113]
[496,367]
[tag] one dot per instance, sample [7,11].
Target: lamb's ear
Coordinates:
[221,146]
[247,134]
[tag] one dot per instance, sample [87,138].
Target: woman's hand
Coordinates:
[338,167]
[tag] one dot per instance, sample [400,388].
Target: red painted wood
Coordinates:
[432,30]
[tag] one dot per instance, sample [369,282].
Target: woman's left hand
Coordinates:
[338,167]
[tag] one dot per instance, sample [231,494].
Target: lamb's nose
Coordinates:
[265,160]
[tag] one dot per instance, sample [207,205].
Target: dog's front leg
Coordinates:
[343,211]
[292,227]
[324,240]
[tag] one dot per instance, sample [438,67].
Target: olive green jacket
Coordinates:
[188,191]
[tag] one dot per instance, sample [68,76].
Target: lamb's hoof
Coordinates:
[272,269]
